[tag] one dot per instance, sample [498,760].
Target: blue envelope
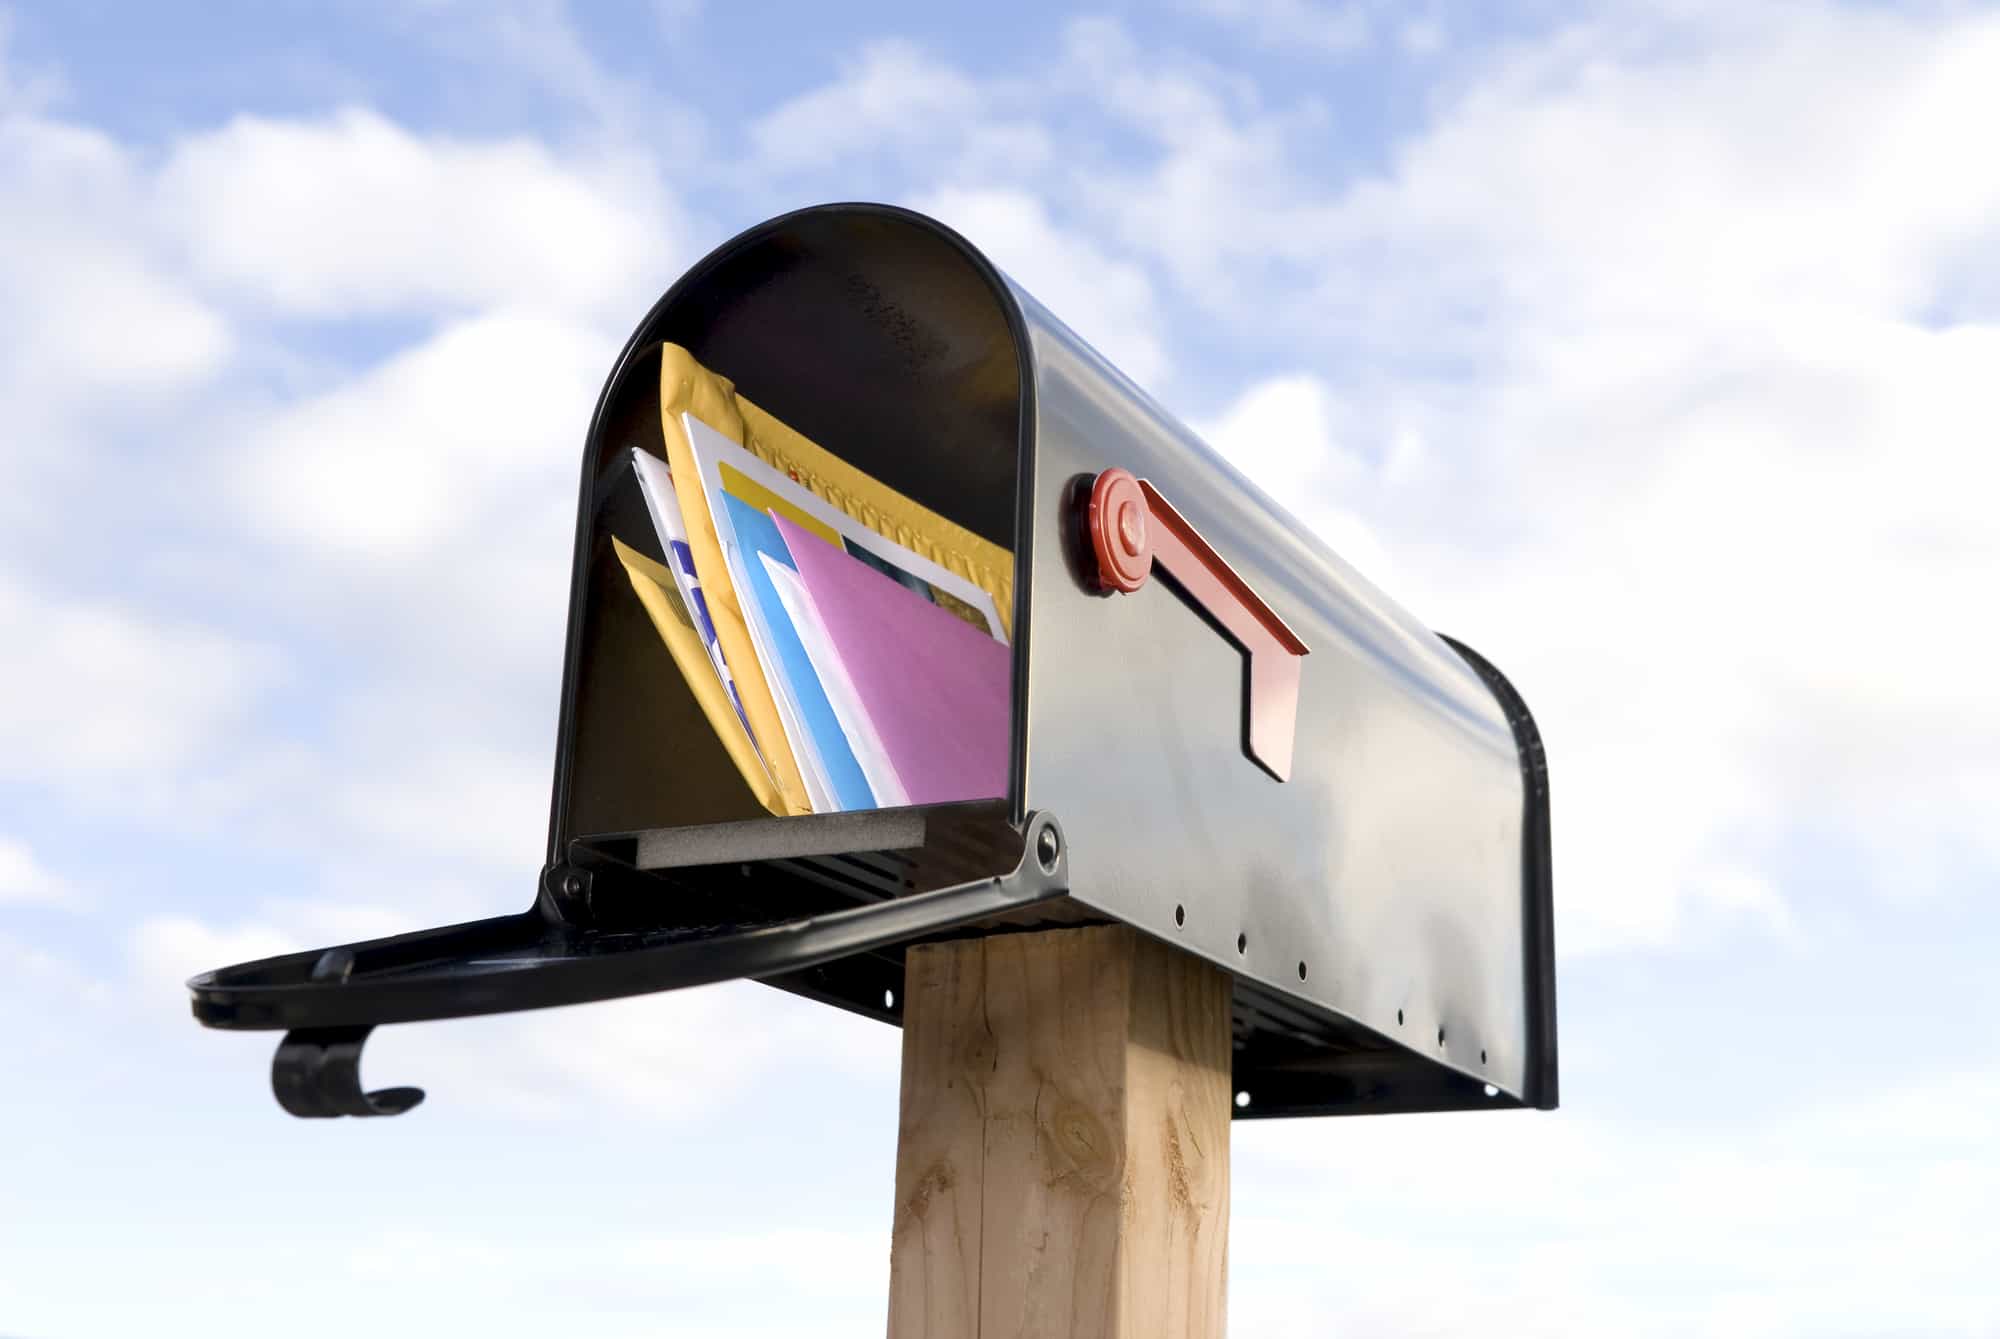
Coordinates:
[757,535]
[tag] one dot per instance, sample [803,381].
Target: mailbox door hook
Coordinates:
[1132,529]
[317,1073]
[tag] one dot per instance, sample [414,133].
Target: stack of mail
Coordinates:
[843,669]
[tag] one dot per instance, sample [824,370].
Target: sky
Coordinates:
[1650,349]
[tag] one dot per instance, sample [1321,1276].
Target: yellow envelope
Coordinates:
[657,591]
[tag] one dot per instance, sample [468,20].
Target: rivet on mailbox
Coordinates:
[864,649]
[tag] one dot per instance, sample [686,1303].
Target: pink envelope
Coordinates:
[937,690]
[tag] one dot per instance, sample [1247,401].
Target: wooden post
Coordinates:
[1062,1165]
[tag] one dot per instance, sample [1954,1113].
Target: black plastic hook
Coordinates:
[317,1072]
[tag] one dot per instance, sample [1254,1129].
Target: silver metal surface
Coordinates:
[1383,880]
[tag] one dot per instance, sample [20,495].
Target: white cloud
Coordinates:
[1422,36]
[95,691]
[47,987]
[435,449]
[404,526]
[1591,178]
[354,214]
[1288,436]
[896,121]
[87,308]
[415,514]
[675,1058]
[166,950]
[893,94]
[420,514]
[662,1267]
[1210,192]
[100,342]
[480,809]
[24,879]
[1568,1225]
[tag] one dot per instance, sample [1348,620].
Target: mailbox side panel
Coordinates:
[1383,882]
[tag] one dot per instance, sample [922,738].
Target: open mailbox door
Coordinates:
[1217,732]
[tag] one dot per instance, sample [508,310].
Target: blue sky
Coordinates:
[1647,348]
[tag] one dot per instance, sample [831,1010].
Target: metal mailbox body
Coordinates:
[1385,909]
[1385,881]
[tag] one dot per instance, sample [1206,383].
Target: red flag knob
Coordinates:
[1117,523]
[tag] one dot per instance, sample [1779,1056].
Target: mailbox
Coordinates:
[1220,733]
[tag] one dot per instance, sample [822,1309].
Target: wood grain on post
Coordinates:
[1062,1167]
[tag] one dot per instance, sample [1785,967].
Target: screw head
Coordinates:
[572,884]
[1048,847]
